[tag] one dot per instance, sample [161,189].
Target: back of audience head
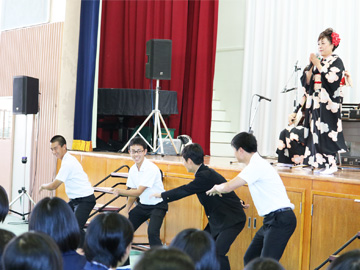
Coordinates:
[4,204]
[5,237]
[54,217]
[164,259]
[200,246]
[108,239]
[348,261]
[261,263]
[32,251]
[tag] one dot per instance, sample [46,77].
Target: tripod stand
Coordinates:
[23,192]
[157,128]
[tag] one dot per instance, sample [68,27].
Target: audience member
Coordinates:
[5,237]
[32,251]
[108,242]
[55,217]
[4,204]
[348,261]
[200,246]
[262,263]
[164,259]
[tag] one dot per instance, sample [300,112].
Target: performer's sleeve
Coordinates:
[331,75]
[195,186]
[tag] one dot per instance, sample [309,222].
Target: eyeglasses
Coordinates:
[133,152]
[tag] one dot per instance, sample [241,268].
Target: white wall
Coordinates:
[69,58]
[229,56]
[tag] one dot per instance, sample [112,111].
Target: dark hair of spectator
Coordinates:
[262,263]
[194,152]
[58,138]
[5,237]
[32,251]
[348,261]
[107,238]
[164,259]
[55,217]
[4,204]
[246,141]
[200,246]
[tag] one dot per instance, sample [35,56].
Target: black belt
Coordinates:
[279,210]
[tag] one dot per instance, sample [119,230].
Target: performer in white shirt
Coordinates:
[269,196]
[144,180]
[77,185]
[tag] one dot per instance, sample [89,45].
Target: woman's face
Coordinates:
[325,47]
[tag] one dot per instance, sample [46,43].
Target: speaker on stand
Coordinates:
[157,68]
[25,101]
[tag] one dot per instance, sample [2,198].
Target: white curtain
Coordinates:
[280,33]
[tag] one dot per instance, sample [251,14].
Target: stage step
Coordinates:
[110,208]
[216,105]
[222,137]
[333,257]
[107,190]
[222,126]
[119,175]
[221,150]
[219,115]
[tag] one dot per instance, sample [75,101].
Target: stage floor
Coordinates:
[344,174]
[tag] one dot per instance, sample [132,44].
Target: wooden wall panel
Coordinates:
[36,52]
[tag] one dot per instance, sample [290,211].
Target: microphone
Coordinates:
[288,90]
[311,65]
[261,97]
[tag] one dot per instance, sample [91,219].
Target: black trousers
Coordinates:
[272,238]
[82,208]
[155,213]
[223,242]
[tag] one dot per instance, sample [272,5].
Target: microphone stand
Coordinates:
[256,108]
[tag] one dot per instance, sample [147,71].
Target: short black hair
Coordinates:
[246,141]
[195,152]
[349,260]
[262,263]
[4,204]
[164,259]
[138,141]
[200,246]
[107,237]
[58,138]
[55,217]
[33,251]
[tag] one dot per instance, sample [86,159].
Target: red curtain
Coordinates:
[192,27]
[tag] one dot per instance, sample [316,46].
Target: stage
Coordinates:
[326,207]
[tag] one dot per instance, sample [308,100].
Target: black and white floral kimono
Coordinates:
[323,126]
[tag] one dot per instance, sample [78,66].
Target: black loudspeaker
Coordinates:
[25,95]
[158,66]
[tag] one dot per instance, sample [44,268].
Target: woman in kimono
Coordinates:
[323,126]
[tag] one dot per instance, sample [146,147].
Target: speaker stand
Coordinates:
[157,128]
[22,191]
